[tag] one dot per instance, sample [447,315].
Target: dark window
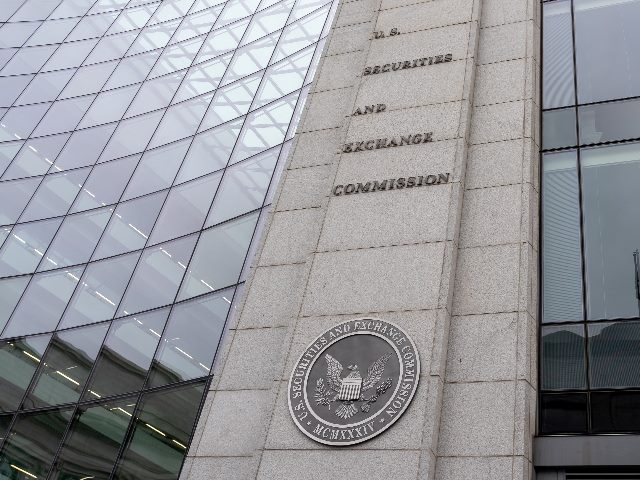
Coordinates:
[563,413]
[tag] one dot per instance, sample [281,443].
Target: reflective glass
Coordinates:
[111,47]
[185,209]
[28,60]
[19,122]
[161,434]
[105,183]
[301,34]
[66,366]
[109,106]
[244,187]
[202,78]
[14,197]
[264,128]
[98,295]
[268,20]
[132,18]
[614,358]
[231,102]
[34,10]
[608,122]
[222,40]
[33,443]
[250,58]
[161,267]
[45,87]
[55,195]
[84,147]
[93,441]
[88,79]
[219,256]
[69,55]
[63,116]
[190,340]
[24,248]
[71,8]
[9,8]
[615,412]
[75,241]
[304,7]
[176,57]
[563,413]
[52,31]
[154,94]
[561,244]
[132,69]
[559,128]
[11,88]
[284,77]
[196,24]
[126,354]
[10,291]
[130,225]
[43,303]
[610,177]
[131,136]
[152,37]
[5,55]
[92,26]
[7,153]
[19,360]
[210,151]
[235,10]
[36,157]
[563,357]
[181,120]
[170,11]
[5,421]
[15,34]
[607,62]
[157,169]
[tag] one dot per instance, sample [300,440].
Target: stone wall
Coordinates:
[454,264]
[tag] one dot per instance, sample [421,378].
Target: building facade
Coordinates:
[193,192]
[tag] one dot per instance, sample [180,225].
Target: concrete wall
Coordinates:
[454,264]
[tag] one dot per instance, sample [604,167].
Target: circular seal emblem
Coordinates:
[353,382]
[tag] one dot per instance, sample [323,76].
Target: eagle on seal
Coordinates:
[350,389]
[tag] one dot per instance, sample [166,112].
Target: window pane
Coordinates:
[93,441]
[52,31]
[563,357]
[202,78]
[10,291]
[33,443]
[26,245]
[130,225]
[100,291]
[36,156]
[158,275]
[11,87]
[14,197]
[84,147]
[105,183]
[88,79]
[563,413]
[66,366]
[55,195]
[243,187]
[557,44]
[126,355]
[43,303]
[610,178]
[109,106]
[63,116]
[69,55]
[191,338]
[609,121]
[607,61]
[613,354]
[210,151]
[185,209]
[615,412]
[8,152]
[222,40]
[559,128]
[28,60]
[131,136]
[181,120]
[5,420]
[76,239]
[132,70]
[19,122]
[157,169]
[154,94]
[161,434]
[18,362]
[219,256]
[562,263]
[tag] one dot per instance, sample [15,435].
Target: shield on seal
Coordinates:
[350,387]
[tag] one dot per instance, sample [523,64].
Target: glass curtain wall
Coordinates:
[590,333]
[140,143]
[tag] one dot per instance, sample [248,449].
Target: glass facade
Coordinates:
[590,332]
[140,143]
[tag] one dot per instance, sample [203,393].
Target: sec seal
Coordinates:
[353,382]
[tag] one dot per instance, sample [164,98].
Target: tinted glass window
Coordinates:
[564,413]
